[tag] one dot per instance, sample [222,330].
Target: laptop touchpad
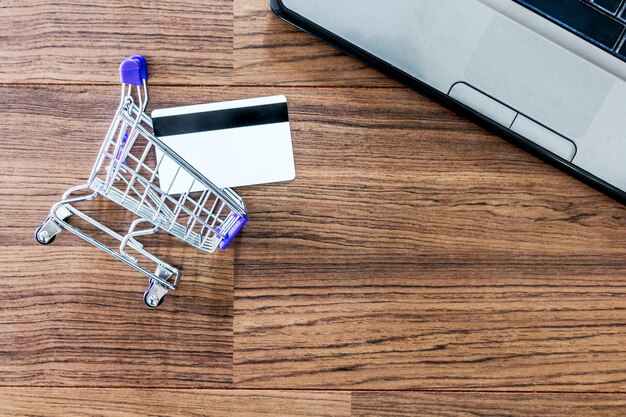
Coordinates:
[537,77]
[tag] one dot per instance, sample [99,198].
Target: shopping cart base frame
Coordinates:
[165,277]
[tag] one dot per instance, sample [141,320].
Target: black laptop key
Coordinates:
[579,18]
[610,6]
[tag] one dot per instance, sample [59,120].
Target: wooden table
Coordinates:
[418,265]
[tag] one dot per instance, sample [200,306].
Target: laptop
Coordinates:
[549,75]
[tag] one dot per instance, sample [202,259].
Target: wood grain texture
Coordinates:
[415,251]
[431,255]
[171,403]
[268,51]
[186,41]
[404,404]
[72,316]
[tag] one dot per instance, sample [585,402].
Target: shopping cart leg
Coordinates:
[153,297]
[60,211]
[46,233]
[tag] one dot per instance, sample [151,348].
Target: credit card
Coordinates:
[233,144]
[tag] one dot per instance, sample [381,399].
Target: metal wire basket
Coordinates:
[127,173]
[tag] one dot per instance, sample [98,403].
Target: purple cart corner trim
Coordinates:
[239,224]
[118,155]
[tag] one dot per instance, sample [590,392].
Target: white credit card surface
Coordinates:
[234,143]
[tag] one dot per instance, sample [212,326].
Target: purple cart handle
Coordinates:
[134,70]
[228,238]
[130,72]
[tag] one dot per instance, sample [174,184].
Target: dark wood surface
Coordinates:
[418,265]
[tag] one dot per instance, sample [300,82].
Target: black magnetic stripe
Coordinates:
[220,119]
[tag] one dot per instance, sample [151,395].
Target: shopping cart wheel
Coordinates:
[154,295]
[152,300]
[42,236]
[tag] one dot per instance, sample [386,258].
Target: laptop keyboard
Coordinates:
[601,22]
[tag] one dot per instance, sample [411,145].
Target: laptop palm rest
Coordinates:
[541,79]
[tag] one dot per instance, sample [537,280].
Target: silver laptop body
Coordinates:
[515,68]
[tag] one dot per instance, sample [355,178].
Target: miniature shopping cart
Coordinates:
[127,173]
